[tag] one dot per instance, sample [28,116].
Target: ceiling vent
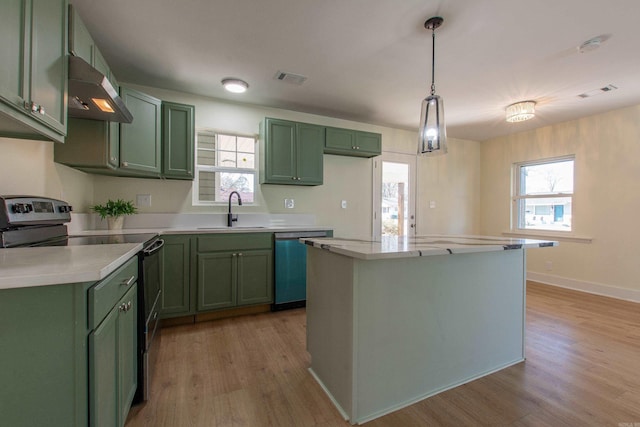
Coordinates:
[295,79]
[599,91]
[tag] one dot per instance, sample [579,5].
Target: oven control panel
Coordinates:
[18,211]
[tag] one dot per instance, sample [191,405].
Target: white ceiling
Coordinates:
[370,60]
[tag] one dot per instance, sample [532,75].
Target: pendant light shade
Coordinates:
[433,134]
[432,138]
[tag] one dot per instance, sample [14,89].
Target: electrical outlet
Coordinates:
[549,265]
[143,200]
[432,204]
[289,203]
[343,204]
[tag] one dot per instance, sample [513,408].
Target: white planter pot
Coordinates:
[115,223]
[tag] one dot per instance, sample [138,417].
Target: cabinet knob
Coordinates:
[125,164]
[122,307]
[41,110]
[298,178]
[293,178]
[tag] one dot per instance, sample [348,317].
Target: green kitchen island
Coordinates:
[393,322]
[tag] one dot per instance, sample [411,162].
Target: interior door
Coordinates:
[394,195]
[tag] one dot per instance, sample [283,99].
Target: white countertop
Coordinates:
[405,247]
[26,267]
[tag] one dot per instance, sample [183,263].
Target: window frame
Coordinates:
[195,188]
[517,196]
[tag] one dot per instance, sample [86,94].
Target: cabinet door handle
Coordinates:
[129,305]
[129,281]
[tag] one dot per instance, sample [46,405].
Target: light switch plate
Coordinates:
[143,200]
[343,204]
[289,203]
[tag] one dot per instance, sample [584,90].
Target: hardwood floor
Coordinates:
[582,369]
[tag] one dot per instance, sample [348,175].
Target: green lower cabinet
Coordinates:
[175,297]
[217,280]
[113,364]
[255,277]
[231,279]
[127,354]
[103,368]
[43,354]
[233,270]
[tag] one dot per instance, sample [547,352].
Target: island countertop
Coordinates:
[405,247]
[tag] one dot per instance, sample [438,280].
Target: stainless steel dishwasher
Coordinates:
[291,268]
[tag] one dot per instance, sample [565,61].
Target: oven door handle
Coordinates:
[154,248]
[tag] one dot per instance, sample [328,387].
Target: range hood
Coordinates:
[91,95]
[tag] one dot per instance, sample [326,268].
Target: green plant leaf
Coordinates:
[115,208]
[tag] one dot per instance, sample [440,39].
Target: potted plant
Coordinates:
[114,211]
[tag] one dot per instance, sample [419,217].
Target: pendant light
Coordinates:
[432,139]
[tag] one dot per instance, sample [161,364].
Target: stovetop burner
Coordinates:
[106,239]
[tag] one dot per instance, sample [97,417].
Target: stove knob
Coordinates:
[29,208]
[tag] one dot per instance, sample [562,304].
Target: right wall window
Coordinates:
[543,194]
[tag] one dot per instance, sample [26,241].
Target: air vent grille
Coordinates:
[292,78]
[598,91]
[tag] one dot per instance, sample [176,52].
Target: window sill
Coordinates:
[548,235]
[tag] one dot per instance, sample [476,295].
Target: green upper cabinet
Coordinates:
[178,139]
[291,153]
[347,142]
[140,141]
[33,78]
[80,41]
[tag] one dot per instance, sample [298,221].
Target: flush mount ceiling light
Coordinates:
[593,44]
[432,138]
[235,85]
[521,111]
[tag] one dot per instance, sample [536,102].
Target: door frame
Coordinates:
[395,157]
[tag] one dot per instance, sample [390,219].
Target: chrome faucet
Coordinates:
[231,218]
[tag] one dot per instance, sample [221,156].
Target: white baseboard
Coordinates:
[589,287]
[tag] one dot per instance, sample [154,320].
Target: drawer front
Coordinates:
[105,294]
[230,242]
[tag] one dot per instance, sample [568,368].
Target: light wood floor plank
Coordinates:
[582,369]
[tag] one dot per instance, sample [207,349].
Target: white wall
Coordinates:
[27,168]
[606,201]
